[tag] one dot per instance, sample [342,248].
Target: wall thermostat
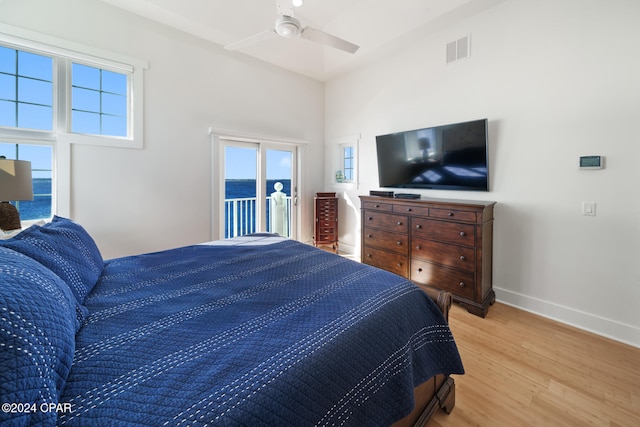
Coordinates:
[591,162]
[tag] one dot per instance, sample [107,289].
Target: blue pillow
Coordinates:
[38,324]
[65,248]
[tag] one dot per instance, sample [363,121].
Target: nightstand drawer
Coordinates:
[461,257]
[459,283]
[394,242]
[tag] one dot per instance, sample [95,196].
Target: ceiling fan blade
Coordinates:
[328,40]
[256,38]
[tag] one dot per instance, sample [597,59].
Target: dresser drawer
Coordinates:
[379,206]
[461,257]
[391,222]
[453,214]
[411,210]
[386,240]
[458,283]
[393,262]
[451,232]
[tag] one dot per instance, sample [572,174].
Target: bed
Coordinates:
[257,330]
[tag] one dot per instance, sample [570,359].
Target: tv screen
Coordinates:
[448,157]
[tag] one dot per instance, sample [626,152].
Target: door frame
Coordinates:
[218,143]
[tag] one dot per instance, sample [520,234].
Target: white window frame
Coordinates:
[65,52]
[336,160]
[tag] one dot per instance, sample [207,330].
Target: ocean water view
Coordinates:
[40,206]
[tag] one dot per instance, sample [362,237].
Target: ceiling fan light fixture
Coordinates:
[288,26]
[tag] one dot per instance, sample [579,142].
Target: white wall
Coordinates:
[135,201]
[556,79]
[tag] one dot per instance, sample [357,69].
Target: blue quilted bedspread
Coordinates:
[257,333]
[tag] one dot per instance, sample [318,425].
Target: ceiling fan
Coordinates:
[287,26]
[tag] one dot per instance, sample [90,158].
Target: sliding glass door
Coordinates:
[260,191]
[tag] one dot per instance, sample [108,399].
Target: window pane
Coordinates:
[348,152]
[86,100]
[114,125]
[114,82]
[36,66]
[82,122]
[40,157]
[35,91]
[7,60]
[8,114]
[84,76]
[348,175]
[7,86]
[35,117]
[114,104]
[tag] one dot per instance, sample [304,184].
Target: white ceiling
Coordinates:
[377,26]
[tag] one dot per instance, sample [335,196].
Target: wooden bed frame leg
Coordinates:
[447,395]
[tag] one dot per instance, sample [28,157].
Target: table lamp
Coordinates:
[15,184]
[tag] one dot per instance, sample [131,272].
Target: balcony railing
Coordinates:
[240,216]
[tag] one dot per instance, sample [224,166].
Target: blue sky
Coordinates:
[241,164]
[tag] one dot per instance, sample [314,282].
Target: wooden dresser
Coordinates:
[325,212]
[437,243]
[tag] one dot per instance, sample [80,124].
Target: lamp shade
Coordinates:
[15,180]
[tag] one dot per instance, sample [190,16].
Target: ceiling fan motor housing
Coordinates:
[288,26]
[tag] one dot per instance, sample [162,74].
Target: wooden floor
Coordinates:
[525,370]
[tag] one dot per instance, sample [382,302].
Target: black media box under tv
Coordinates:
[381,193]
[407,196]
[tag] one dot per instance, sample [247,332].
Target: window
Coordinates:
[343,161]
[40,157]
[348,163]
[98,101]
[99,97]
[54,93]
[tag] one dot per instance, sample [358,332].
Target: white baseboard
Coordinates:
[346,249]
[612,329]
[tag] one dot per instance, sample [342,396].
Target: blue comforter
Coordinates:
[254,333]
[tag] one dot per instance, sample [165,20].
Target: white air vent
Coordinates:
[458,49]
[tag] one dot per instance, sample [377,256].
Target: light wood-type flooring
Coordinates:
[526,370]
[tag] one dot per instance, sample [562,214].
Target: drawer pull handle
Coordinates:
[418,247]
[369,255]
[462,285]
[409,209]
[399,243]
[463,258]
[370,218]
[463,234]
[377,206]
[399,265]
[450,214]
[370,236]
[418,226]
[420,270]
[399,223]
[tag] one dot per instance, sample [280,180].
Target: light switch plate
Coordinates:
[589,208]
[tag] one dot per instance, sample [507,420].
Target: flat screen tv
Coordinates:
[448,157]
